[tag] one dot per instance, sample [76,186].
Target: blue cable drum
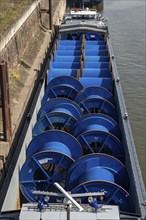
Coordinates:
[65,80]
[60,105]
[101,142]
[50,154]
[98,105]
[94,92]
[62,86]
[96,122]
[97,99]
[63,91]
[97,133]
[43,141]
[59,113]
[54,120]
[100,173]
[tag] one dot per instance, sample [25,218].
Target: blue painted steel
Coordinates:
[65,80]
[101,142]
[91,42]
[65,65]
[96,122]
[115,195]
[94,204]
[62,73]
[41,170]
[98,105]
[96,167]
[70,42]
[96,58]
[68,53]
[103,74]
[95,52]
[101,65]
[53,73]
[62,86]
[95,47]
[54,120]
[58,114]
[93,81]
[69,47]
[54,155]
[64,142]
[94,92]
[97,173]
[50,154]
[67,58]
[95,72]
[61,105]
[60,91]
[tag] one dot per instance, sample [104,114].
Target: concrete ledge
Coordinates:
[8,36]
[20,104]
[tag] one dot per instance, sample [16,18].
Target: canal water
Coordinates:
[127,19]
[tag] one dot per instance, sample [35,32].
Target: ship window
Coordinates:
[83,17]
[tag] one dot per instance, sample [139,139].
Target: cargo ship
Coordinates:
[87,3]
[78,158]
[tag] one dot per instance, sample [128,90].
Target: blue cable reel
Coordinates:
[49,156]
[98,133]
[60,105]
[101,142]
[54,120]
[95,92]
[59,113]
[100,173]
[98,122]
[62,86]
[97,100]
[98,105]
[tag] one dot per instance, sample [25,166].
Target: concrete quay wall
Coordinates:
[15,48]
[19,46]
[15,41]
